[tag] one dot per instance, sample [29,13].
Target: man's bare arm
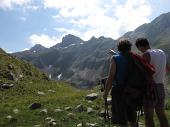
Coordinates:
[111,75]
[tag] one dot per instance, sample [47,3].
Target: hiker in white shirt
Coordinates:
[157,58]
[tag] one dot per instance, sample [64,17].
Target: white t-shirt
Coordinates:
[158,60]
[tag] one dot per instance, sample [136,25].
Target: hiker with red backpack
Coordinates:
[157,58]
[121,113]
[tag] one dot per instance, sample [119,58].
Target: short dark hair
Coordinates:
[124,46]
[142,42]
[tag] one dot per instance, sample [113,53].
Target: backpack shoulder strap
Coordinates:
[142,64]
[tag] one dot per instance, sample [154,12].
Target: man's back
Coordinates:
[158,60]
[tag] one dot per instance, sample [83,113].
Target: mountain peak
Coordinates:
[93,38]
[70,39]
[37,48]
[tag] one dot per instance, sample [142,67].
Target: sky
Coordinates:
[24,23]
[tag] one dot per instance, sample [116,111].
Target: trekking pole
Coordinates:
[106,116]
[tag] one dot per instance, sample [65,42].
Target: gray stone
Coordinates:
[52,122]
[49,119]
[58,110]
[70,115]
[16,111]
[11,119]
[68,108]
[90,102]
[79,125]
[52,91]
[79,108]
[92,96]
[21,76]
[44,111]
[35,106]
[91,124]
[90,111]
[41,93]
[7,86]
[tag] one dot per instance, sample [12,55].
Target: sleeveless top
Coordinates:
[121,67]
[158,60]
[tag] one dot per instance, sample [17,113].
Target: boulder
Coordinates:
[7,86]
[92,96]
[35,106]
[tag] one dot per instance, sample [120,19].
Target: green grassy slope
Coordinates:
[24,94]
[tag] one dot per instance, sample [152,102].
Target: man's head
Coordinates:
[142,44]
[124,46]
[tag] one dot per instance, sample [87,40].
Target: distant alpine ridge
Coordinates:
[83,63]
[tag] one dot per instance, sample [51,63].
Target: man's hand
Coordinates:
[112,52]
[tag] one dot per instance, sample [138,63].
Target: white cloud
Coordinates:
[31,7]
[101,17]
[9,4]
[43,39]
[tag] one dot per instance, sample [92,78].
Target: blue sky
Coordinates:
[24,23]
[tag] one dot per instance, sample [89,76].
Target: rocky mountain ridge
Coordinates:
[82,63]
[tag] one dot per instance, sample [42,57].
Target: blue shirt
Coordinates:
[121,68]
